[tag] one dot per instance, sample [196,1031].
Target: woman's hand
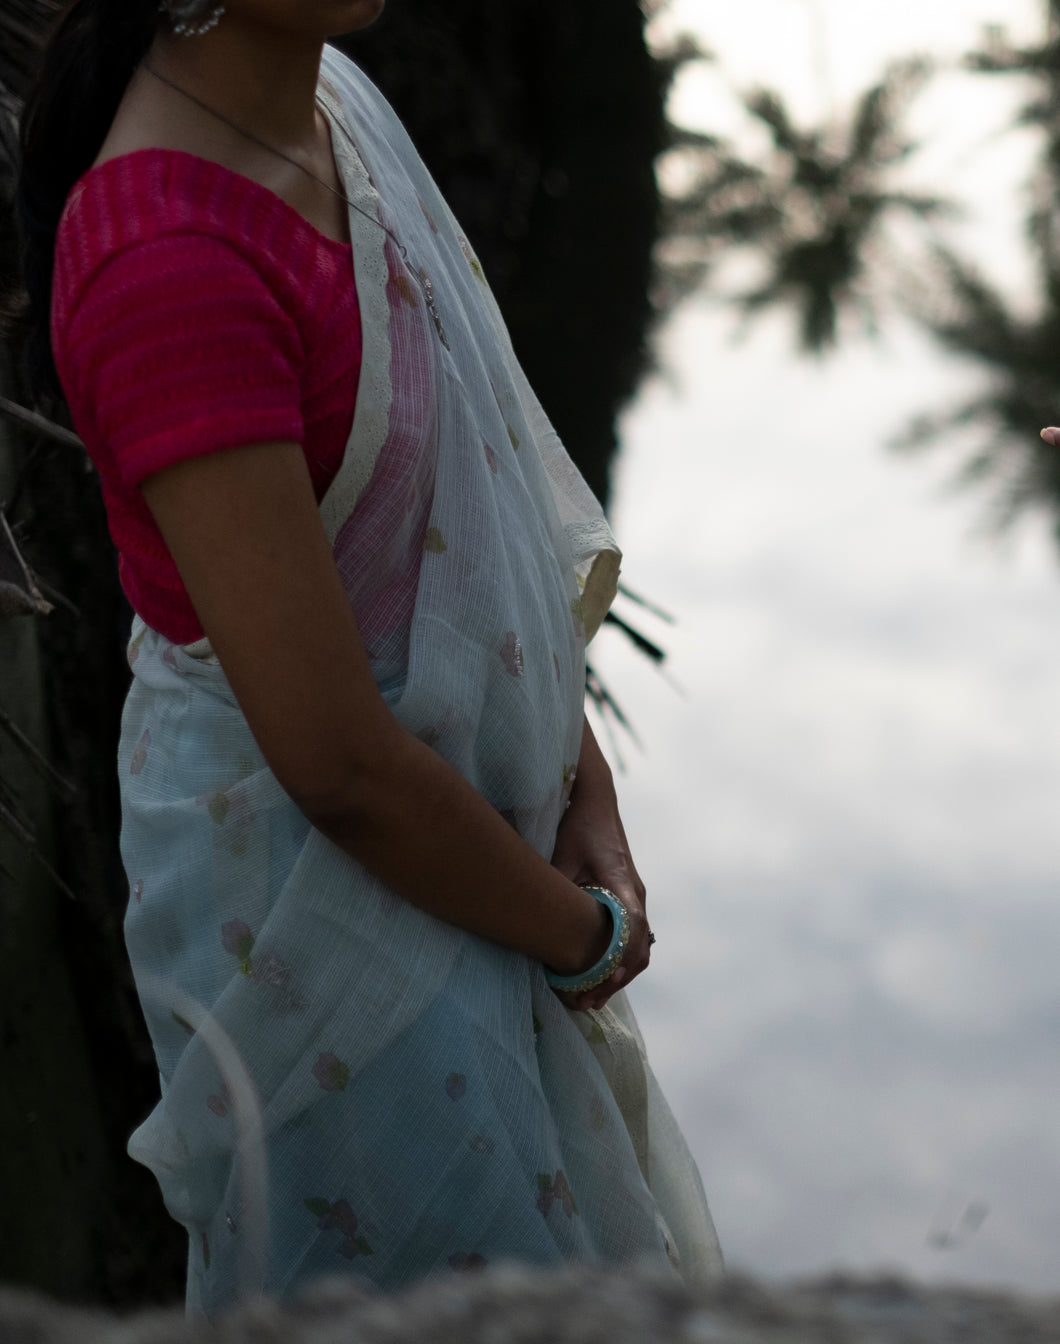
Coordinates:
[1051,435]
[591,848]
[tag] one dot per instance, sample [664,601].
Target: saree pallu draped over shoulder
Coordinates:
[349,1085]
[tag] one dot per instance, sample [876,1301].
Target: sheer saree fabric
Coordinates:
[349,1085]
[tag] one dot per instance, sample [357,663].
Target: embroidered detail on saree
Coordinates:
[404,287]
[427,285]
[432,733]
[217,805]
[512,654]
[491,458]
[133,651]
[331,1073]
[273,973]
[342,1218]
[514,438]
[237,939]
[554,1189]
[139,756]
[434,542]
[467,1262]
[595,1034]
[471,259]
[218,1102]
[455,1086]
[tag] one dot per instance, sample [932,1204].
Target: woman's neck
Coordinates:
[254,76]
[246,102]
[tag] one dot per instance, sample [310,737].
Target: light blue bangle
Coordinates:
[616,949]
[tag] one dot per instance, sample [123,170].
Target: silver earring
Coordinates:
[192,18]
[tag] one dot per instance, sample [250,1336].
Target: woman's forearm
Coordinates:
[419,826]
[245,531]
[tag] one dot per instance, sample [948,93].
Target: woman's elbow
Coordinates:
[346,793]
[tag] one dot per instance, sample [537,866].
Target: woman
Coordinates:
[364,571]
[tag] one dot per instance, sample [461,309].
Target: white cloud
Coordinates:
[847,820]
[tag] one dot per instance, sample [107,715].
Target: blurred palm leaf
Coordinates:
[1042,63]
[1022,388]
[812,212]
[1018,353]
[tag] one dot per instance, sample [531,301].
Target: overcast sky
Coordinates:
[847,814]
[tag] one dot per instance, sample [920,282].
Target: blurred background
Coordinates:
[846,810]
[787,277]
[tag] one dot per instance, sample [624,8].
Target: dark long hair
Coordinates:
[86,67]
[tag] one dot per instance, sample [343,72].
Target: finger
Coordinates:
[598,996]
[1051,435]
[614,982]
[591,998]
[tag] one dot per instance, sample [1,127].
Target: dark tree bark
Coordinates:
[541,120]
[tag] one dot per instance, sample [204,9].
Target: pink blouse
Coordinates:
[194,310]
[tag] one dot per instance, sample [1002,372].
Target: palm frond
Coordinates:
[811,212]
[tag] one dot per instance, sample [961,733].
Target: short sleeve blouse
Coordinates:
[194,311]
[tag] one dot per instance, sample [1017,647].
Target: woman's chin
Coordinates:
[354,15]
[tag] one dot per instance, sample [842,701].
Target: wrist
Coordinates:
[610,954]
[587,939]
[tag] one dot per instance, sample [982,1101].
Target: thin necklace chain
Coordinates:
[421,275]
[271,149]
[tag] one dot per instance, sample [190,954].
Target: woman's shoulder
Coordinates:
[140,195]
[160,236]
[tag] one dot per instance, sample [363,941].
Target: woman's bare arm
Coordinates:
[245,532]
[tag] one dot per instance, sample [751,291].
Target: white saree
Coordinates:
[349,1085]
